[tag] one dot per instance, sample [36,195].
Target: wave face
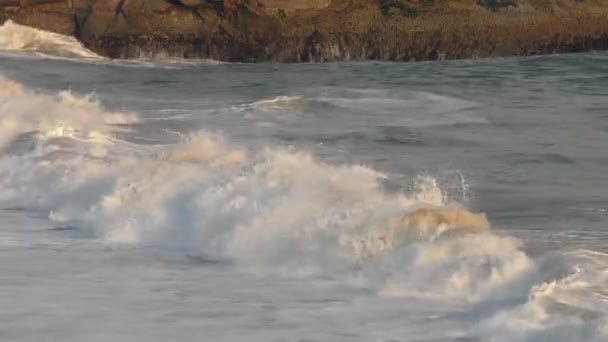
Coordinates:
[281,211]
[438,110]
[20,38]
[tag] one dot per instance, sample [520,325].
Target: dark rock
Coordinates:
[320,30]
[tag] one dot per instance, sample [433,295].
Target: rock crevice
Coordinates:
[320,30]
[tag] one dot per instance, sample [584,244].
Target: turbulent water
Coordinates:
[171,200]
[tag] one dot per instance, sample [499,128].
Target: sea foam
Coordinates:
[15,37]
[282,211]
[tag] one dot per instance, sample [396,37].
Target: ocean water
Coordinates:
[173,200]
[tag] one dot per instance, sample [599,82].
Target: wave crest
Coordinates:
[282,211]
[80,118]
[274,210]
[278,211]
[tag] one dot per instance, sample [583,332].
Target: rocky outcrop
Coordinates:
[321,30]
[50,15]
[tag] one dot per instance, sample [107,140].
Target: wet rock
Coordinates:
[320,30]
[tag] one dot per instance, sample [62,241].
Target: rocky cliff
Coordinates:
[321,30]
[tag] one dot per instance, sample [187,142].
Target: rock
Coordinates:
[50,15]
[320,30]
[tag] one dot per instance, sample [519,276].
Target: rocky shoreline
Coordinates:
[320,30]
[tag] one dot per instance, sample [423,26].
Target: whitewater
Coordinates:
[163,199]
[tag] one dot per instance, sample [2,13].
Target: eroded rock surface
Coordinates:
[320,30]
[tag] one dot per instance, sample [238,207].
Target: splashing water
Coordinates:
[278,211]
[15,37]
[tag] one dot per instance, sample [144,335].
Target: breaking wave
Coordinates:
[282,211]
[23,112]
[15,37]
[25,39]
[569,305]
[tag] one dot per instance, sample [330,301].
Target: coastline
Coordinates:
[338,30]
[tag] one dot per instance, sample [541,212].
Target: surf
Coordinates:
[21,38]
[282,211]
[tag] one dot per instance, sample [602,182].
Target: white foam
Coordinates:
[277,104]
[282,211]
[20,41]
[570,307]
[270,211]
[63,116]
[15,37]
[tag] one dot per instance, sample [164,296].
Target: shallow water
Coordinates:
[194,200]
